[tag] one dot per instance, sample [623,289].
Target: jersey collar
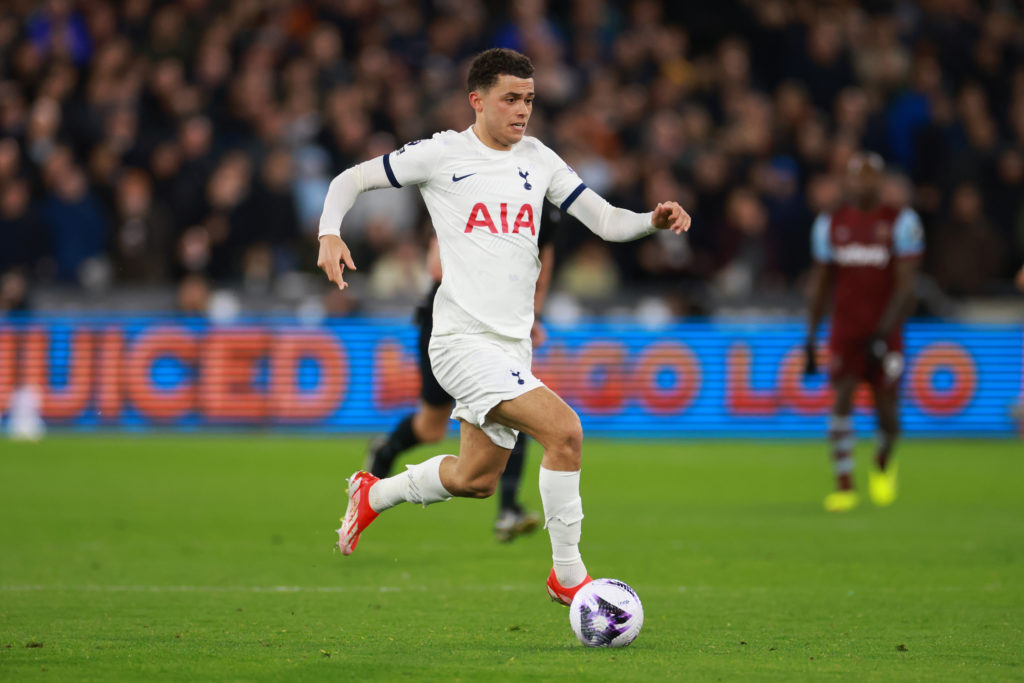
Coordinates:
[489,151]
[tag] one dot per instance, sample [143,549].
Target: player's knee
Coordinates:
[568,446]
[574,435]
[888,421]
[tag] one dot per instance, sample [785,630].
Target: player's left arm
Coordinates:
[614,224]
[902,298]
[610,223]
[908,246]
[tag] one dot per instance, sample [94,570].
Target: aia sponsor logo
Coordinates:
[482,217]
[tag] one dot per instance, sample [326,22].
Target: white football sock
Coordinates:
[418,484]
[563,517]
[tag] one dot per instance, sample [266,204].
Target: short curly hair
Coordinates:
[489,64]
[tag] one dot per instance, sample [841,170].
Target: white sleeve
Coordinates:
[346,187]
[415,161]
[821,243]
[908,235]
[565,186]
[608,222]
[412,164]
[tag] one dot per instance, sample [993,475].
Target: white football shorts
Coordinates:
[480,371]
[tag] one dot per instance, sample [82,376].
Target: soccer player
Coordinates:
[484,188]
[430,421]
[866,255]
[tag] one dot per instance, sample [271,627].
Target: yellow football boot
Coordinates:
[841,501]
[883,485]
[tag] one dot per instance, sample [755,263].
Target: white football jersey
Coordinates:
[486,208]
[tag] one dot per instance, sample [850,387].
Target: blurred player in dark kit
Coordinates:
[866,258]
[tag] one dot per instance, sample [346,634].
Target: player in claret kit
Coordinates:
[484,189]
[866,255]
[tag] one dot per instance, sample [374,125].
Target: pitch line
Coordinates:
[210,589]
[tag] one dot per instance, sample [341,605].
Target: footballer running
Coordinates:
[429,423]
[484,189]
[866,255]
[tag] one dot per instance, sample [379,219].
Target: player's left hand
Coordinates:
[810,358]
[538,334]
[877,348]
[670,216]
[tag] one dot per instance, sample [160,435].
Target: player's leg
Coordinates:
[883,476]
[428,424]
[548,419]
[841,439]
[513,520]
[473,474]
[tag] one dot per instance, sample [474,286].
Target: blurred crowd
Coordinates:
[191,143]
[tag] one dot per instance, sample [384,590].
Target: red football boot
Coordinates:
[359,514]
[561,594]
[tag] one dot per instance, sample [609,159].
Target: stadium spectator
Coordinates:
[967,254]
[143,232]
[25,246]
[58,30]
[267,219]
[769,97]
[76,223]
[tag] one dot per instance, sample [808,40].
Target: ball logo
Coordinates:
[603,622]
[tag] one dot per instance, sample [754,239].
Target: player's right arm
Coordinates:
[820,286]
[410,165]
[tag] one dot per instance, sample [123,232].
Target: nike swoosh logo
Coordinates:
[456,178]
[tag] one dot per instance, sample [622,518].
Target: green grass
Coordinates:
[161,558]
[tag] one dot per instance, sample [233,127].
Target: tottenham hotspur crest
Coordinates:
[526,183]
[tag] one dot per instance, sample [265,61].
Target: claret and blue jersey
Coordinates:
[862,247]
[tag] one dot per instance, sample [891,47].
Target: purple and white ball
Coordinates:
[606,613]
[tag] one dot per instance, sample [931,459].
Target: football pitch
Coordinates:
[211,558]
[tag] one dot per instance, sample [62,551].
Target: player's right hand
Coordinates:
[538,334]
[334,256]
[810,358]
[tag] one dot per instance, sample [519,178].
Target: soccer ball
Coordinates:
[606,613]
